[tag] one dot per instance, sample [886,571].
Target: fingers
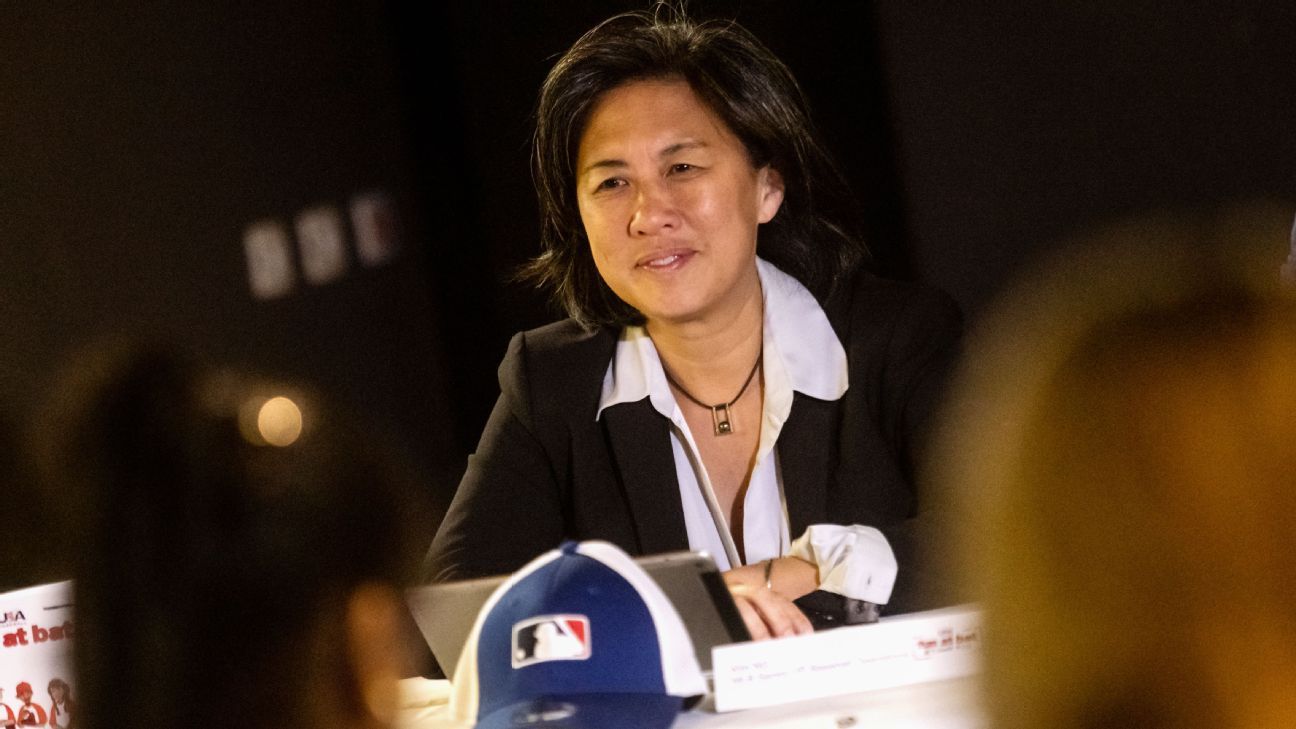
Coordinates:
[769,614]
[755,624]
[781,617]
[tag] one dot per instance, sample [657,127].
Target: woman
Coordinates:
[242,549]
[62,713]
[728,375]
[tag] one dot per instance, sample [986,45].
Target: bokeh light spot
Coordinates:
[279,421]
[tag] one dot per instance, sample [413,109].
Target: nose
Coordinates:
[654,212]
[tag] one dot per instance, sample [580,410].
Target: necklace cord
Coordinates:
[747,382]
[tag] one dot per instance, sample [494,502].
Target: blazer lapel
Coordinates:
[807,444]
[639,439]
[807,451]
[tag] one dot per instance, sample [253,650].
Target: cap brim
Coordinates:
[587,711]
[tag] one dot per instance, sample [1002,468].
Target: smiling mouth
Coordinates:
[664,260]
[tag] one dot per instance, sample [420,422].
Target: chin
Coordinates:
[677,315]
[672,310]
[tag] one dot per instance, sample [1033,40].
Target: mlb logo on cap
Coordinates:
[579,638]
[551,638]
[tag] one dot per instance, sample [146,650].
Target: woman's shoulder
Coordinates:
[560,366]
[864,298]
[563,344]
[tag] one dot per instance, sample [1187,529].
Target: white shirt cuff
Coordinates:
[854,561]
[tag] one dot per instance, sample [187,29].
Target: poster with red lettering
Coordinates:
[36,681]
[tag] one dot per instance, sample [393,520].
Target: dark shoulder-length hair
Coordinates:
[813,237]
[221,520]
[59,683]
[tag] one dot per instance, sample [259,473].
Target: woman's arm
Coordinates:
[764,593]
[923,353]
[507,509]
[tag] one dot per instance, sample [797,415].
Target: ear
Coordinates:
[769,185]
[373,626]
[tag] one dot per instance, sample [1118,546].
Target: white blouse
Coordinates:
[801,354]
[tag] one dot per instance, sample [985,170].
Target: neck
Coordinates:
[712,357]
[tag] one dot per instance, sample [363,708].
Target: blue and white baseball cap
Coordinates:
[579,638]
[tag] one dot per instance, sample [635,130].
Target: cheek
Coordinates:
[597,221]
[732,205]
[583,210]
[707,206]
[598,245]
[602,254]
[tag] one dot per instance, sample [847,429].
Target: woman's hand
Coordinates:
[768,611]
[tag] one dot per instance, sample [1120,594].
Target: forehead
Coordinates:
[653,114]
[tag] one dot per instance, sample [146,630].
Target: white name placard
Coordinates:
[905,649]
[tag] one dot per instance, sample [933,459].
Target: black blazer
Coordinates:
[546,470]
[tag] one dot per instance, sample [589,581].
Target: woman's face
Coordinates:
[670,202]
[57,692]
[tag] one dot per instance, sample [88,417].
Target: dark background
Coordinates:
[136,145]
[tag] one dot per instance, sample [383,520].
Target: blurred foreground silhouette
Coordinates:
[1123,438]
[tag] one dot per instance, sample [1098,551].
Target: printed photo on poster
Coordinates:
[36,681]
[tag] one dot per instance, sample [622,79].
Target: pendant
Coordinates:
[721,419]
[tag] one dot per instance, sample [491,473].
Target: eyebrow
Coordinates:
[668,151]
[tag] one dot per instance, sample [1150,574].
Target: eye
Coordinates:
[680,167]
[609,184]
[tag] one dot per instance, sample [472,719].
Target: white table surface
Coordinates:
[950,704]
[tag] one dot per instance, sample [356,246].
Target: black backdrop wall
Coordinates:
[137,147]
